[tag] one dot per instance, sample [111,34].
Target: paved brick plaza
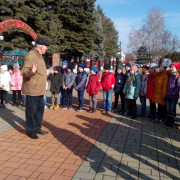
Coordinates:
[87,146]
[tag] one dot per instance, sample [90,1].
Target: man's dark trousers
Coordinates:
[34,113]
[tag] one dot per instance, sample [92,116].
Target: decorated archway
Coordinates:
[13,23]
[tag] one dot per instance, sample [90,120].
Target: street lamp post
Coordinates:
[1,55]
[119,57]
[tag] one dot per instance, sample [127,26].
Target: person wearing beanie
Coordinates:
[172,96]
[120,78]
[92,88]
[34,87]
[126,101]
[143,91]
[160,91]
[4,85]
[16,65]
[153,66]
[63,71]
[132,90]
[127,68]
[56,80]
[64,64]
[80,83]
[108,82]
[95,69]
[150,90]
[107,67]
[68,85]
[16,85]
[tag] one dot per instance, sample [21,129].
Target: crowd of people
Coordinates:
[161,87]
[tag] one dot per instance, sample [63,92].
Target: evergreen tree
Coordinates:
[78,27]
[38,15]
[174,56]
[142,55]
[99,40]
[111,36]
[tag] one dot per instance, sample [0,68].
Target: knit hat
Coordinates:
[107,66]
[65,63]
[16,65]
[153,66]
[70,66]
[176,65]
[145,66]
[95,69]
[120,67]
[166,63]
[134,68]
[4,67]
[57,68]
[128,65]
[81,65]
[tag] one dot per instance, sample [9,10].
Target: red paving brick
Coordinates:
[57,155]
[44,176]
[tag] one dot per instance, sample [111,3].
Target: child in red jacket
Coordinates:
[150,90]
[108,82]
[93,87]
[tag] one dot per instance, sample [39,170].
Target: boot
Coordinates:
[56,107]
[52,106]
[170,121]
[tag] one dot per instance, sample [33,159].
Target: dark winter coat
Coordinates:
[94,84]
[68,79]
[128,73]
[173,87]
[120,82]
[56,82]
[144,85]
[80,81]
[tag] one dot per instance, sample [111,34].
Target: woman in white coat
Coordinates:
[4,85]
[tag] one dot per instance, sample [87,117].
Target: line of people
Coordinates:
[160,87]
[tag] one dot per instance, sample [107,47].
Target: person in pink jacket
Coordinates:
[16,84]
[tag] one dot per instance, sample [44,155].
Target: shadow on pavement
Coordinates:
[100,161]
[8,116]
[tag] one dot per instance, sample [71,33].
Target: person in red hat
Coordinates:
[172,93]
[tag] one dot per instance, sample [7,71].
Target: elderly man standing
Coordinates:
[34,86]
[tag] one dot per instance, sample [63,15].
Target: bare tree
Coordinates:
[153,34]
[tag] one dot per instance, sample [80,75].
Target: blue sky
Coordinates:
[130,13]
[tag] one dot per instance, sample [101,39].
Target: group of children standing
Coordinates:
[160,87]
[63,81]
[10,80]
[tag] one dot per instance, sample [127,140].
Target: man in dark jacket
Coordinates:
[56,79]
[118,89]
[80,83]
